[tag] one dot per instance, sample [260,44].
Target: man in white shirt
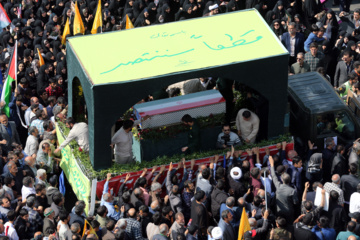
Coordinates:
[9,226]
[28,187]
[63,226]
[355,200]
[79,132]
[32,142]
[247,124]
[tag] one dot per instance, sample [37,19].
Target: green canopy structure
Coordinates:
[113,71]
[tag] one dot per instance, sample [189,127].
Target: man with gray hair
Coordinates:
[156,192]
[32,142]
[28,187]
[75,228]
[229,205]
[335,185]
[41,177]
[164,230]
[30,167]
[354,154]
[35,220]
[286,196]
[120,229]
[107,200]
[258,231]
[293,42]
[228,230]
[178,227]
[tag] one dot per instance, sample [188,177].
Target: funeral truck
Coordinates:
[316,111]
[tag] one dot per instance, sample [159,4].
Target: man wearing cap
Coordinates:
[49,223]
[226,227]
[234,182]
[214,9]
[217,233]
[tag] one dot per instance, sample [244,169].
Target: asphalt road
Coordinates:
[355,4]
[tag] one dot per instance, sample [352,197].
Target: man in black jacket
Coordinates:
[302,231]
[218,196]
[199,214]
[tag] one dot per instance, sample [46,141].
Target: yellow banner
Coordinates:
[80,184]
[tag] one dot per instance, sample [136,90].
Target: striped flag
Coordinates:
[4,19]
[19,12]
[128,24]
[11,76]
[97,20]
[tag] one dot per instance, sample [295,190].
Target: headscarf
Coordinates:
[314,162]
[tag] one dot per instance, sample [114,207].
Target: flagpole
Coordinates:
[16,83]
[265,191]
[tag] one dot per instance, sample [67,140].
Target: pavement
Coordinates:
[354,4]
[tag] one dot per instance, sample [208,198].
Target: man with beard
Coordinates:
[79,132]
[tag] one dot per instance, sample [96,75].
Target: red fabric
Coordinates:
[116,182]
[6,230]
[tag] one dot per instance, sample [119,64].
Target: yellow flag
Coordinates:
[128,23]
[41,59]
[92,231]
[66,32]
[97,20]
[244,225]
[78,23]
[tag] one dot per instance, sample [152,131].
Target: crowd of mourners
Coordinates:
[285,196]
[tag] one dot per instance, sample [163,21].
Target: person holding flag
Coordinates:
[129,24]
[97,20]
[6,94]
[65,32]
[251,224]
[78,23]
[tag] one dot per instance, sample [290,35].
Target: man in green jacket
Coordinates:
[193,135]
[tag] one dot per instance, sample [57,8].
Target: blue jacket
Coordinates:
[311,38]
[324,234]
[299,42]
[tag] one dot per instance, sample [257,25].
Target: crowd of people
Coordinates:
[284,195]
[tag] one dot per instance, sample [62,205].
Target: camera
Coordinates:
[226,139]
